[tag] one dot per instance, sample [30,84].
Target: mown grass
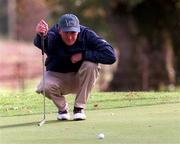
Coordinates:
[124,118]
[28,102]
[156,124]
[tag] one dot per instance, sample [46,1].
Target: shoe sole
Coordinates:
[78,119]
[62,119]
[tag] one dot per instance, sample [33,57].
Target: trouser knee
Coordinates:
[90,66]
[50,89]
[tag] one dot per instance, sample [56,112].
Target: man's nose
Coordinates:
[70,37]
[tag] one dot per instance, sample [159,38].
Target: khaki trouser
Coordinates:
[57,85]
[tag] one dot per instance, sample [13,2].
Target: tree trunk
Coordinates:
[127,76]
[12,19]
[141,64]
[169,58]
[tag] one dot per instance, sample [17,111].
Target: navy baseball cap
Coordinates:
[69,23]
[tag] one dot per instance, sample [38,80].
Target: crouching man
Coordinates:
[72,64]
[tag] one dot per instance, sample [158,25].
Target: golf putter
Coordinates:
[44,99]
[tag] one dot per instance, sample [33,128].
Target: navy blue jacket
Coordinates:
[93,48]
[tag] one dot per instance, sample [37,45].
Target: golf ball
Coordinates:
[101,136]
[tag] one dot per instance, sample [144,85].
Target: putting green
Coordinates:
[158,124]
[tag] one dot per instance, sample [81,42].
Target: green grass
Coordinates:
[157,124]
[124,118]
[28,102]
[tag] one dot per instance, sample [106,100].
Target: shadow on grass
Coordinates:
[31,124]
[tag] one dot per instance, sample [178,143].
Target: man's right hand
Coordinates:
[42,28]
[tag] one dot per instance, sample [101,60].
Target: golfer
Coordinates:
[72,64]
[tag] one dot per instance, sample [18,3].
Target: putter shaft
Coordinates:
[43,70]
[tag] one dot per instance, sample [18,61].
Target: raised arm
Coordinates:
[99,50]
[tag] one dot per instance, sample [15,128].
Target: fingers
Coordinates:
[76,57]
[42,28]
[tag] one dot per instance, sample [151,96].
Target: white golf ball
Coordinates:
[101,136]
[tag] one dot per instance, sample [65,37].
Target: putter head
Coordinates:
[41,122]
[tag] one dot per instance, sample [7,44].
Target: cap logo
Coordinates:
[70,23]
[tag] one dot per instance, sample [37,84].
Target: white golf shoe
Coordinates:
[63,115]
[79,114]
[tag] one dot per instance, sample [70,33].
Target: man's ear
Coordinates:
[60,31]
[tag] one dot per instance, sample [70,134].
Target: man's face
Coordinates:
[69,38]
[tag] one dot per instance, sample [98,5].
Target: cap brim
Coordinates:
[70,29]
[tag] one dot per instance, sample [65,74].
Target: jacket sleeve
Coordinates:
[98,50]
[37,41]
[48,42]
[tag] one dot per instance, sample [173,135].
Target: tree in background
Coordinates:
[19,18]
[144,32]
[149,53]
[29,13]
[3,17]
